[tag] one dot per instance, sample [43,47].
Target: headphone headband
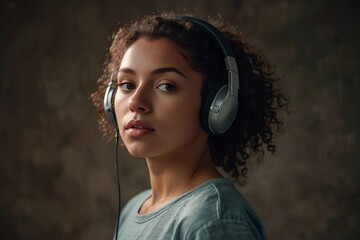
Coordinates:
[223,44]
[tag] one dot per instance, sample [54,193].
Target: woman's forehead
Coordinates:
[153,53]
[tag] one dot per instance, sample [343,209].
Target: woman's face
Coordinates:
[158,100]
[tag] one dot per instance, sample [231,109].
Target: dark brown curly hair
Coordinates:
[260,99]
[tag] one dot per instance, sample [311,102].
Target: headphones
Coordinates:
[219,106]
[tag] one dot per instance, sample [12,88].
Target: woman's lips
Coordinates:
[138,132]
[137,128]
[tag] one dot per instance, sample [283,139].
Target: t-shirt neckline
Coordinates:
[146,217]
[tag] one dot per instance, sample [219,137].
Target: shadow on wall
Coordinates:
[57,175]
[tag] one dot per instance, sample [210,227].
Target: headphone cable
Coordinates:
[118,181]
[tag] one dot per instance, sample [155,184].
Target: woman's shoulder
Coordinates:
[218,198]
[219,205]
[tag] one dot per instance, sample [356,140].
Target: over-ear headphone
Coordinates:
[109,102]
[219,106]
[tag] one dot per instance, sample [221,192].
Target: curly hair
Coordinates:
[260,99]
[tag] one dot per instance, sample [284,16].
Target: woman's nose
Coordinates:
[139,101]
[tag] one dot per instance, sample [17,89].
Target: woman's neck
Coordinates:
[174,175]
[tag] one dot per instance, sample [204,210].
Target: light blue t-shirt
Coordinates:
[213,210]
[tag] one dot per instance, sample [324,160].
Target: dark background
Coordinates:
[57,175]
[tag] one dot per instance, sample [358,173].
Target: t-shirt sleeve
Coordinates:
[226,229]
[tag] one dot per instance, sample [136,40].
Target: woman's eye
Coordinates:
[167,87]
[126,86]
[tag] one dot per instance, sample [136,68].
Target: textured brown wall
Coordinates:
[57,175]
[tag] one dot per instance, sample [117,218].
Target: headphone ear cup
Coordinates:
[109,104]
[206,105]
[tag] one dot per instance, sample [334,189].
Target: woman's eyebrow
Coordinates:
[167,69]
[127,70]
[153,72]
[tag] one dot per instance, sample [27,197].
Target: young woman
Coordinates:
[191,99]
